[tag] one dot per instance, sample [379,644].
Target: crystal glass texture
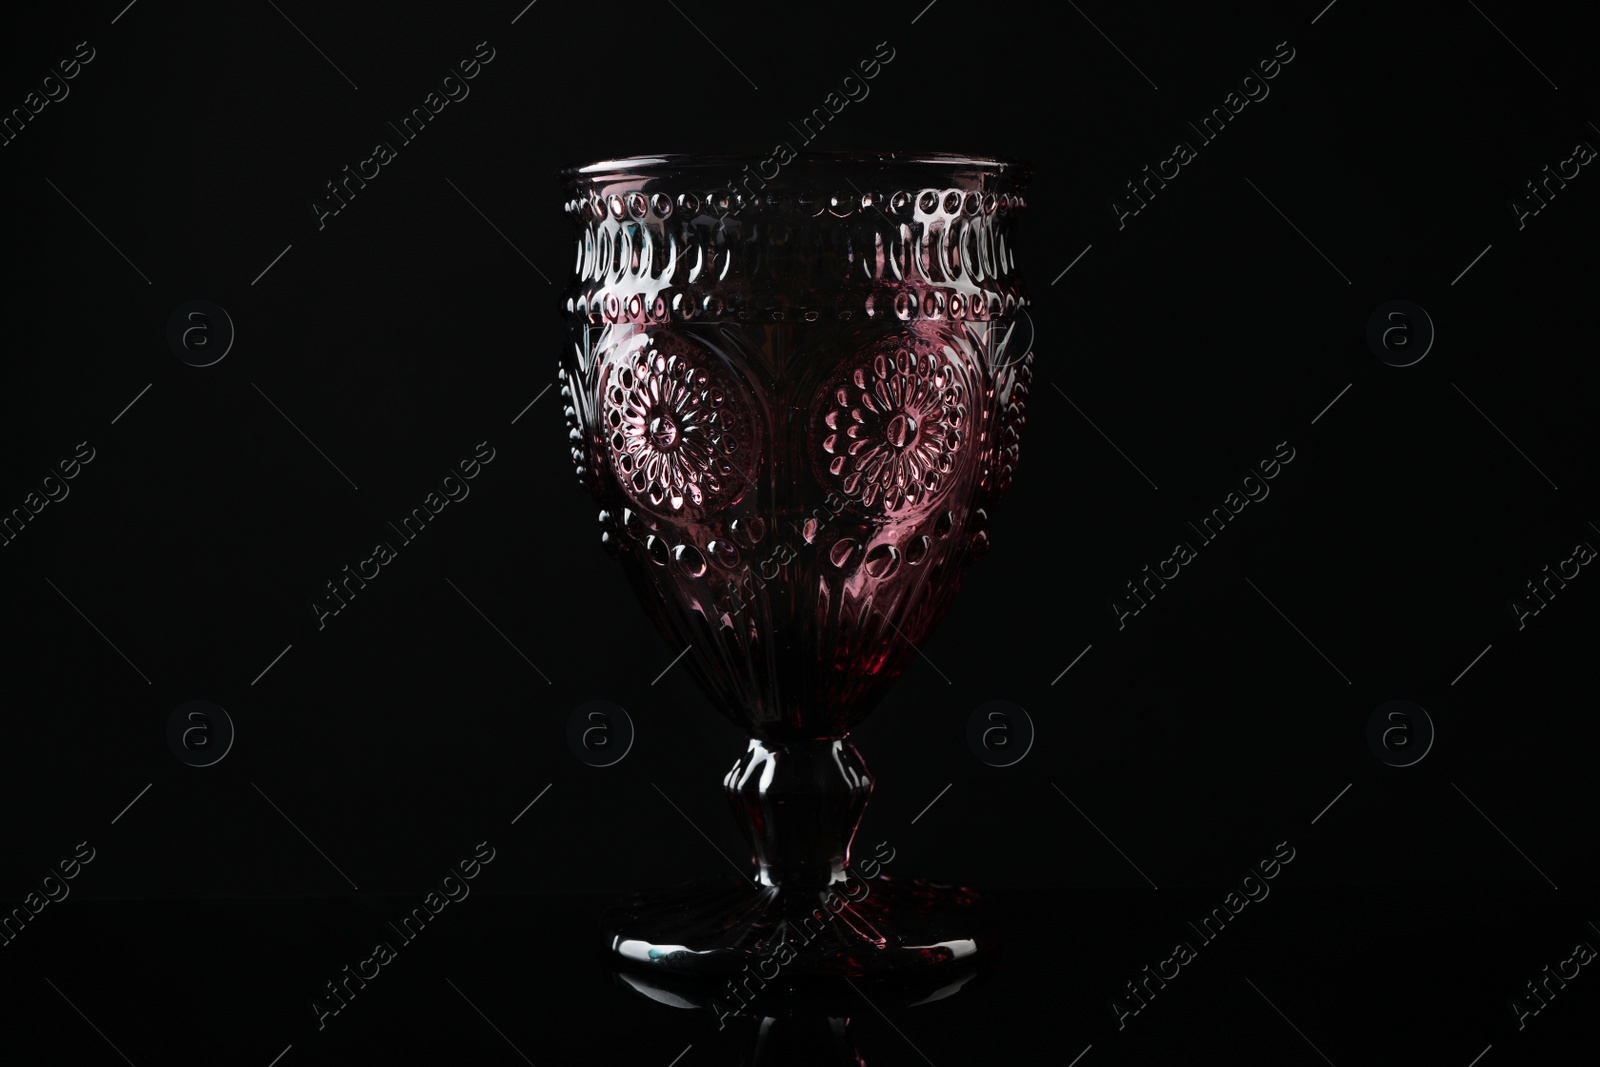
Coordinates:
[796,392]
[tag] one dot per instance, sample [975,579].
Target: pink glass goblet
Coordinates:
[795,392]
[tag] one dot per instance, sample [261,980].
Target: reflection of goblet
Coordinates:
[795,398]
[808,1027]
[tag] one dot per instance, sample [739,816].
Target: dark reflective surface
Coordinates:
[231,981]
[797,1023]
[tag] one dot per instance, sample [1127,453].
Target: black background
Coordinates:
[407,329]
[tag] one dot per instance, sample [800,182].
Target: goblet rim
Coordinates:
[667,162]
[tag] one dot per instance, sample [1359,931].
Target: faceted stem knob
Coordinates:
[799,804]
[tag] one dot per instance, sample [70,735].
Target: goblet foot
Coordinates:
[781,933]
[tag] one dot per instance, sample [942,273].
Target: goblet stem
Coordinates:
[807,1040]
[799,803]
